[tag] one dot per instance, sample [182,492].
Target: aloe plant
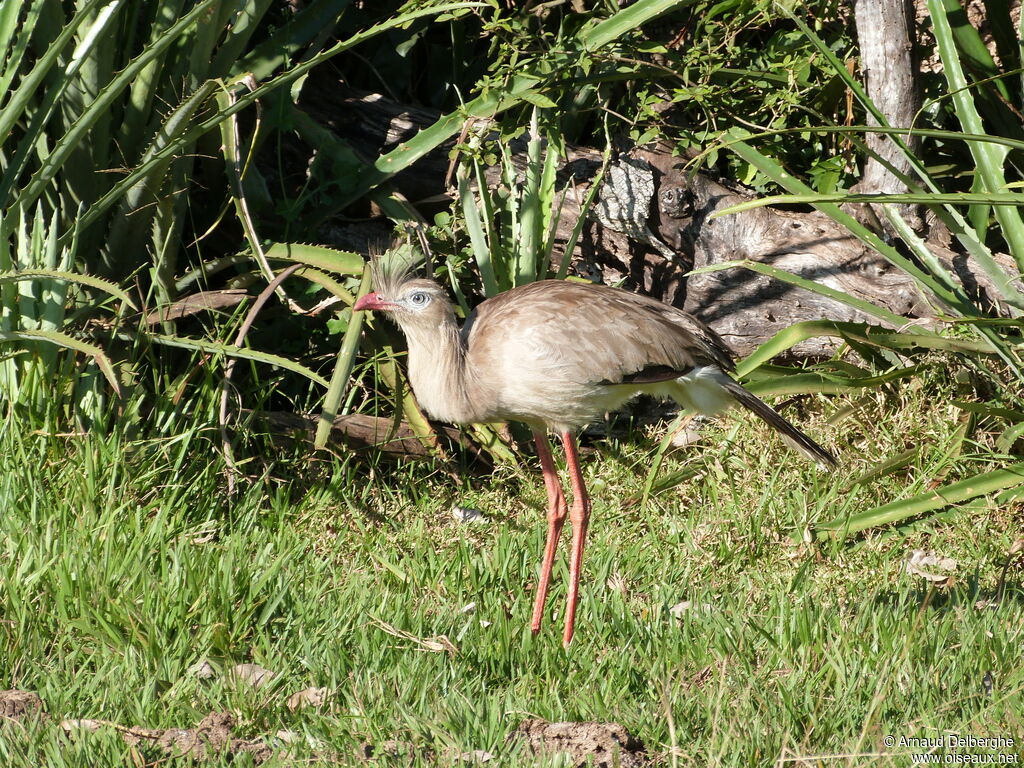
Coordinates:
[35,278]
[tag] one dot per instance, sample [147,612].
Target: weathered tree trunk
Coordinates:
[884,36]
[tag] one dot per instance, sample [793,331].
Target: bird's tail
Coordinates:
[793,436]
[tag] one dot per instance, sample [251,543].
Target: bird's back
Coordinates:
[561,353]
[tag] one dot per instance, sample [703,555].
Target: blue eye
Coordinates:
[419,299]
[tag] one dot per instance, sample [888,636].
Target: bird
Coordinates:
[557,355]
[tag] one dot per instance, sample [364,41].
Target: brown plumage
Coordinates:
[557,355]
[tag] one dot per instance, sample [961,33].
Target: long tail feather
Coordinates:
[793,436]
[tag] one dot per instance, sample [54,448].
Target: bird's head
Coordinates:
[410,302]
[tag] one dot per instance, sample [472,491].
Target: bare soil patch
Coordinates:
[605,745]
[18,705]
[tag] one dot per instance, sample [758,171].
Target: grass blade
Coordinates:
[860,332]
[988,158]
[953,493]
[230,350]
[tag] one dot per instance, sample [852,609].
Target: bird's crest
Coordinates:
[394,267]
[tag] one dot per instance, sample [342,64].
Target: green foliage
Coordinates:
[134,173]
[119,148]
[131,129]
[700,631]
[991,191]
[510,226]
[35,301]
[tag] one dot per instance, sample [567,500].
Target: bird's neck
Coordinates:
[439,373]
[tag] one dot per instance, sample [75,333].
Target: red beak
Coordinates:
[370,301]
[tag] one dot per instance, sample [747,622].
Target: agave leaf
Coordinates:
[650,481]
[418,422]
[488,437]
[319,256]
[283,45]
[492,101]
[70,277]
[936,268]
[952,295]
[28,249]
[236,168]
[923,198]
[53,162]
[958,226]
[988,158]
[51,96]
[774,171]
[1009,436]
[965,233]
[328,283]
[99,207]
[886,467]
[1004,33]
[672,479]
[1000,345]
[853,130]
[11,57]
[772,380]
[550,200]
[991,91]
[68,342]
[408,407]
[8,292]
[987,409]
[133,221]
[52,294]
[530,215]
[509,227]
[245,22]
[145,87]
[626,20]
[331,149]
[208,268]
[588,203]
[478,240]
[29,87]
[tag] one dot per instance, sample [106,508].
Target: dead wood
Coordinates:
[197,302]
[362,433]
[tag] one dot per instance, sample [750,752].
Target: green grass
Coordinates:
[123,564]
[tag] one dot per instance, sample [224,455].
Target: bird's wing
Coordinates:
[604,335]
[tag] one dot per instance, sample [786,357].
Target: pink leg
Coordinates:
[556,519]
[579,516]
